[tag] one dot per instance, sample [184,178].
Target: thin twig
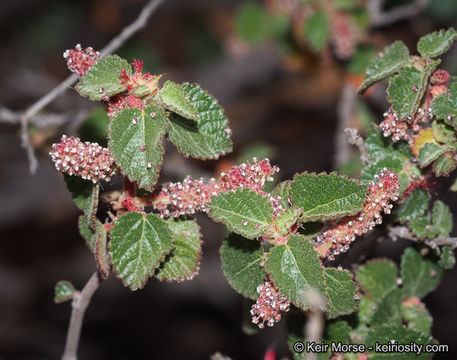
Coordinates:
[113,45]
[314,327]
[403,232]
[357,140]
[380,18]
[79,305]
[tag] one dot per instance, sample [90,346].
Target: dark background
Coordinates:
[294,111]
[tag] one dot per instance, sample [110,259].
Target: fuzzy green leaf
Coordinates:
[63,291]
[242,211]
[393,59]
[283,191]
[100,250]
[436,43]
[419,275]
[85,194]
[342,292]
[447,260]
[317,29]
[184,260]
[442,218]
[327,196]
[445,106]
[422,227]
[445,164]
[139,243]
[104,78]
[210,136]
[87,232]
[295,269]
[377,278]
[282,224]
[417,317]
[241,260]
[443,132]
[174,98]
[129,131]
[388,309]
[413,206]
[429,153]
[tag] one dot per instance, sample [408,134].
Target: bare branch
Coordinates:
[356,139]
[314,327]
[403,232]
[380,18]
[79,304]
[113,45]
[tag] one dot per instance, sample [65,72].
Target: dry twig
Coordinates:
[379,17]
[403,232]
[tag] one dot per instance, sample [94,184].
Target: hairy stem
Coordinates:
[79,305]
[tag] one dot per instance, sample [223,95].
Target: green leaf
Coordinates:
[366,310]
[210,136]
[387,333]
[317,29]
[422,227]
[104,78]
[296,270]
[445,106]
[393,59]
[436,43]
[377,278]
[283,191]
[251,23]
[87,232]
[429,153]
[174,98]
[241,260]
[242,211]
[443,132]
[327,196]
[413,206]
[342,292]
[84,193]
[184,260]
[417,317]
[375,167]
[388,309]
[335,332]
[100,250]
[406,90]
[281,226]
[132,129]
[445,164]
[63,291]
[139,243]
[447,260]
[419,275]
[442,218]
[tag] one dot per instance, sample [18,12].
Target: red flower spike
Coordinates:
[269,307]
[119,102]
[440,77]
[87,160]
[140,84]
[394,127]
[79,60]
[344,36]
[338,239]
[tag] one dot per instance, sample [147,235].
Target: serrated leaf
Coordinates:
[445,106]
[393,59]
[296,270]
[242,211]
[412,206]
[442,218]
[84,193]
[422,227]
[436,43]
[174,98]
[241,260]
[366,310]
[130,130]
[417,316]
[443,132]
[101,251]
[445,164]
[388,309]
[447,259]
[327,196]
[283,191]
[63,291]
[377,278]
[139,243]
[184,260]
[317,29]
[342,292]
[283,223]
[386,333]
[429,153]
[210,136]
[104,78]
[87,232]
[419,275]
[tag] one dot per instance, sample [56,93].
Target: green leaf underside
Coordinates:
[243,211]
[210,136]
[429,153]
[296,270]
[317,30]
[394,57]
[436,43]
[417,317]
[447,260]
[413,206]
[377,278]
[174,98]
[422,227]
[63,291]
[341,291]
[442,218]
[388,309]
[139,243]
[241,260]
[445,106]
[106,75]
[184,260]
[327,196]
[419,275]
[444,165]
[84,193]
[127,138]
[87,232]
